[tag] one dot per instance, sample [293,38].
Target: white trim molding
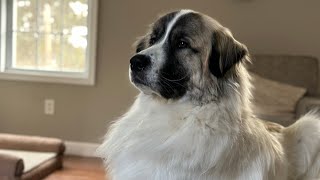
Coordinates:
[3,20]
[83,149]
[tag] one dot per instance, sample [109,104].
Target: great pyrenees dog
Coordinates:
[193,119]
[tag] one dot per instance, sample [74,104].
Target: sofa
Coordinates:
[29,157]
[299,72]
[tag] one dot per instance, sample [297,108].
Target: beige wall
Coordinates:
[83,113]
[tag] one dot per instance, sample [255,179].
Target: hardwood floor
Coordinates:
[79,168]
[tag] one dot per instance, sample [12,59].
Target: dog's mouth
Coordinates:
[138,79]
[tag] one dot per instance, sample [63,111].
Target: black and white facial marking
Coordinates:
[156,68]
[185,54]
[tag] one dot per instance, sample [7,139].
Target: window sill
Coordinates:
[48,77]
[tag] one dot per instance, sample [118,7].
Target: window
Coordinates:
[48,40]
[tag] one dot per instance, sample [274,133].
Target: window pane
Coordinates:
[49,52]
[54,35]
[74,53]
[26,16]
[50,12]
[75,16]
[24,51]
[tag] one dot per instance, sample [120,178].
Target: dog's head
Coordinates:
[185,54]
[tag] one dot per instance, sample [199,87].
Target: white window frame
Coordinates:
[83,78]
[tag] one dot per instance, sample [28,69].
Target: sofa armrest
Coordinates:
[31,143]
[10,166]
[306,104]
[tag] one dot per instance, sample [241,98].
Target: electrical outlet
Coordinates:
[49,106]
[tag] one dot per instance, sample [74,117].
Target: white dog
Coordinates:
[193,118]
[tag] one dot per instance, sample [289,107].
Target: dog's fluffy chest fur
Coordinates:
[180,141]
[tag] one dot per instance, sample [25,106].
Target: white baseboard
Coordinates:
[81,148]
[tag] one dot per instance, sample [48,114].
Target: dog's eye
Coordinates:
[182,44]
[152,40]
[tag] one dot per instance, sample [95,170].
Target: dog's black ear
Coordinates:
[225,53]
[140,44]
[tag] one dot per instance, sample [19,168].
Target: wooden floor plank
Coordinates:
[79,168]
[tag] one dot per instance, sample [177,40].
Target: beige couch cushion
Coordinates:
[301,71]
[275,101]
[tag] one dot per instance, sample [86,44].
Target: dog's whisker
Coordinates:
[165,80]
[172,80]
[165,86]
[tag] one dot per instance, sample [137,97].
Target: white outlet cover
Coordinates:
[49,106]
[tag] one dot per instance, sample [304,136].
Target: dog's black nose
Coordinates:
[139,62]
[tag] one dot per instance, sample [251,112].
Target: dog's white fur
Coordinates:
[172,140]
[156,140]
